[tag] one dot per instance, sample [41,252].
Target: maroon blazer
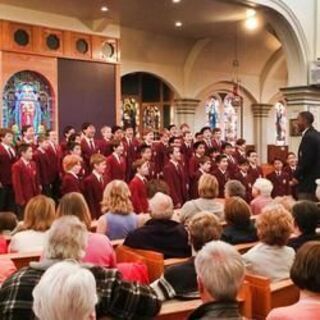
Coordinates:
[87,152]
[280,183]
[93,190]
[131,152]
[193,166]
[160,156]
[105,147]
[232,166]
[193,190]
[70,184]
[238,156]
[247,183]
[6,163]
[115,169]
[25,182]
[222,180]
[217,144]
[54,156]
[290,172]
[152,171]
[139,196]
[255,173]
[187,153]
[43,164]
[176,180]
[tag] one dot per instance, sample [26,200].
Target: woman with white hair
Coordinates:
[65,291]
[161,233]
[261,192]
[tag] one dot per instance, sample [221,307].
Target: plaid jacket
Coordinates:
[117,299]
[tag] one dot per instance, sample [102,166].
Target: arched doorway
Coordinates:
[28,100]
[146,101]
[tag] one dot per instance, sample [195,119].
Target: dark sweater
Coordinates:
[235,234]
[297,242]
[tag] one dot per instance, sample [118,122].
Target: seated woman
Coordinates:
[99,250]
[7,268]
[240,228]
[261,192]
[119,218]
[234,188]
[271,257]
[65,291]
[305,275]
[208,192]
[8,222]
[38,217]
[306,216]
[161,233]
[181,280]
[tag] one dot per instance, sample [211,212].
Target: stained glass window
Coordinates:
[151,117]
[130,112]
[281,123]
[27,100]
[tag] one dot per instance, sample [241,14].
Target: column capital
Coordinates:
[186,106]
[261,110]
[304,95]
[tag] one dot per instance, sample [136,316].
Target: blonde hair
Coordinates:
[65,291]
[274,225]
[74,204]
[286,201]
[39,213]
[208,186]
[116,198]
[70,161]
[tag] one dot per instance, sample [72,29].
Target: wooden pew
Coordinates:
[117,243]
[244,247]
[177,309]
[267,295]
[23,259]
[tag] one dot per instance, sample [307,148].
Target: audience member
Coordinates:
[271,257]
[157,185]
[240,228]
[306,215]
[119,218]
[220,273]
[7,268]
[161,233]
[180,281]
[38,217]
[8,222]
[261,192]
[234,188]
[99,250]
[305,275]
[65,291]
[67,239]
[286,201]
[208,191]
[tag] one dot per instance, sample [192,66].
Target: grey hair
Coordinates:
[220,269]
[161,206]
[234,188]
[67,239]
[65,291]
[264,186]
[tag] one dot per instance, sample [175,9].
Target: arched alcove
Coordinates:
[28,99]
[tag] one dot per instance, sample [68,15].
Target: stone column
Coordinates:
[260,114]
[305,98]
[185,110]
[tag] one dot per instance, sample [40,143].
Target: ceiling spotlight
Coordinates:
[251,23]
[176,1]
[104,9]
[178,24]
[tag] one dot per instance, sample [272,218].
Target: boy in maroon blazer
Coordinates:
[243,176]
[175,177]
[204,167]
[8,157]
[222,173]
[42,161]
[279,179]
[67,132]
[71,181]
[146,155]
[28,137]
[105,144]
[89,145]
[160,152]
[131,150]
[138,187]
[187,148]
[199,149]
[216,139]
[116,164]
[207,138]
[290,169]
[255,171]
[228,150]
[240,152]
[94,184]
[24,178]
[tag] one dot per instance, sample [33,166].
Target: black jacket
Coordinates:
[236,235]
[297,242]
[308,168]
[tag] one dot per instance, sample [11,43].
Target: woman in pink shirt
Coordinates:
[306,276]
[261,192]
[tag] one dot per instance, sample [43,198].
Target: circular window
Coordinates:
[53,42]
[108,50]
[82,46]
[21,37]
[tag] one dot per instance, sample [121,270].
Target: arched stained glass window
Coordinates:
[281,123]
[27,100]
[130,112]
[151,117]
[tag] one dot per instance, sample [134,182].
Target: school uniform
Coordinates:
[246,181]
[187,153]
[160,156]
[88,148]
[152,172]
[70,183]
[217,144]
[116,168]
[193,166]
[55,155]
[222,178]
[105,147]
[255,173]
[280,181]
[193,190]
[41,159]
[232,165]
[290,171]
[139,196]
[131,148]
[239,156]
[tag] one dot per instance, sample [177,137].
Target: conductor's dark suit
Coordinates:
[308,168]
